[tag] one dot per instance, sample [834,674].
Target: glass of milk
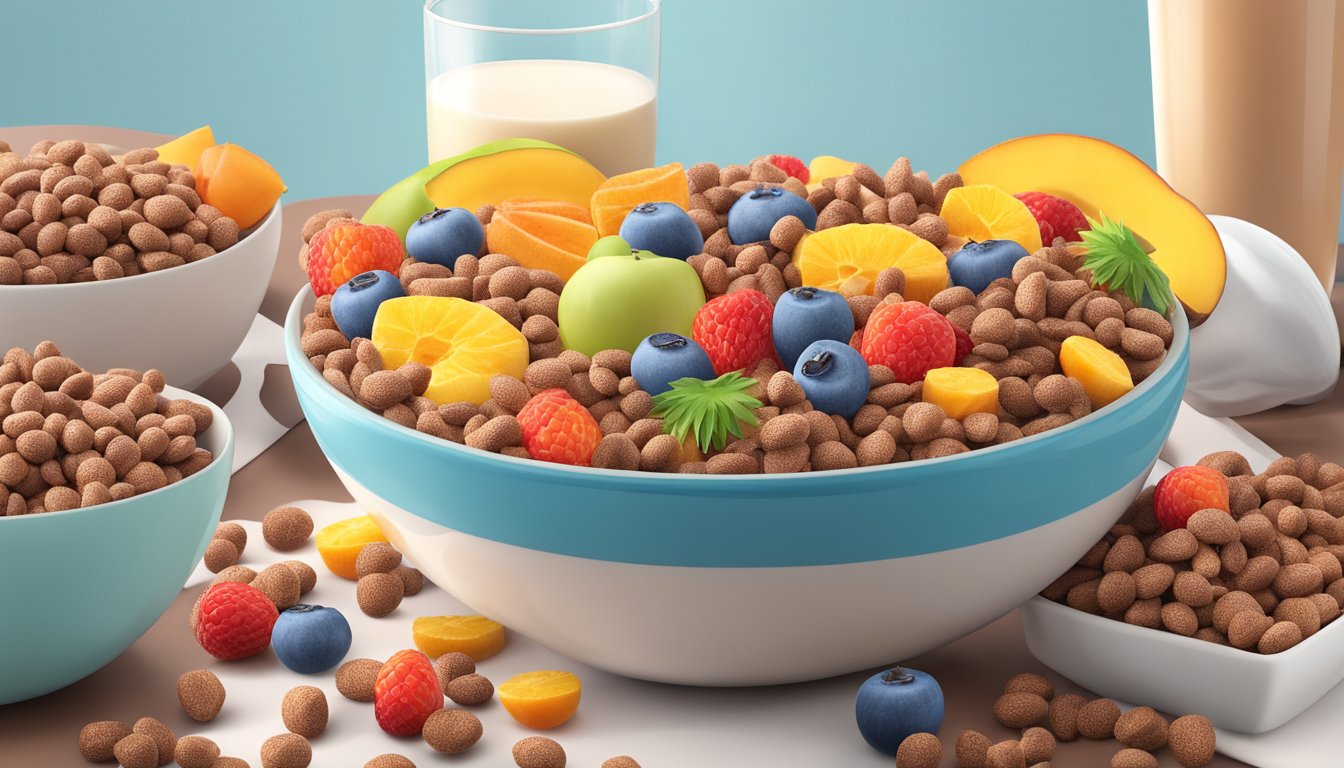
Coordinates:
[583,75]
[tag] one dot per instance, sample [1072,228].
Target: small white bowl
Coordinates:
[1237,690]
[186,321]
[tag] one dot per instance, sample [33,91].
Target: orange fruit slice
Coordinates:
[187,148]
[848,259]
[962,391]
[985,212]
[340,542]
[541,700]
[476,636]
[1104,375]
[542,234]
[463,344]
[618,195]
[241,185]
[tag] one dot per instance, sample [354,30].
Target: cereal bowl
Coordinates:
[80,586]
[186,321]
[749,579]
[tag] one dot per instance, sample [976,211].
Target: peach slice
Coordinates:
[187,148]
[542,234]
[241,185]
[619,195]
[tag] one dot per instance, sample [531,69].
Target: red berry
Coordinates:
[337,254]
[406,693]
[910,339]
[235,621]
[1056,216]
[1186,490]
[734,330]
[964,343]
[557,428]
[856,340]
[792,166]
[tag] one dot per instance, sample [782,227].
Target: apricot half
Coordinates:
[241,185]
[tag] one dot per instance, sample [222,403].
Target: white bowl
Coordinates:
[1237,690]
[186,321]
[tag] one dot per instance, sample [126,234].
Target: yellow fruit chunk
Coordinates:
[825,167]
[848,259]
[619,195]
[984,212]
[476,636]
[1103,373]
[542,234]
[463,344]
[541,700]
[241,185]
[340,542]
[511,168]
[962,391]
[187,148]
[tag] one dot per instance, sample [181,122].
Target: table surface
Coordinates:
[142,680]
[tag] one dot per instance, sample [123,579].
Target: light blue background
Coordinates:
[332,92]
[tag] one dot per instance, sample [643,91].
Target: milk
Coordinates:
[605,113]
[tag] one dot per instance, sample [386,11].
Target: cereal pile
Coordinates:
[70,213]
[74,439]
[1261,575]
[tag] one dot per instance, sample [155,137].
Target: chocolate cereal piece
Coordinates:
[355,678]
[470,690]
[538,752]
[1096,720]
[412,581]
[1038,745]
[390,760]
[288,750]
[1028,682]
[304,711]
[378,557]
[1142,728]
[220,554]
[196,752]
[972,749]
[307,576]
[165,741]
[136,751]
[286,528]
[1192,740]
[452,731]
[97,740]
[453,665]
[1133,758]
[919,750]
[1020,710]
[234,533]
[201,695]
[620,761]
[279,583]
[379,594]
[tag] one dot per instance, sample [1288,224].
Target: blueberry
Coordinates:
[443,234]
[663,358]
[834,376]
[356,302]
[310,638]
[977,265]
[664,229]
[754,214]
[892,705]
[807,314]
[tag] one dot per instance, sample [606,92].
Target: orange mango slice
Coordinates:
[241,185]
[619,195]
[542,234]
[1104,375]
[541,700]
[187,148]
[340,542]
[962,391]
[478,637]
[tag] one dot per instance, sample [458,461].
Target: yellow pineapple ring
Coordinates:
[848,259]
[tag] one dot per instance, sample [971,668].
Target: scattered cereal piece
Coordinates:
[379,557]
[452,665]
[195,752]
[355,678]
[304,711]
[972,749]
[201,695]
[1142,728]
[1192,740]
[136,751]
[412,581]
[379,594]
[1038,745]
[470,690]
[1063,716]
[620,761]
[280,583]
[1096,720]
[1133,758]
[234,533]
[1005,754]
[307,576]
[390,760]
[286,528]
[288,750]
[165,741]
[919,750]
[1020,709]
[1029,682]
[97,740]
[452,731]
[220,554]
[538,752]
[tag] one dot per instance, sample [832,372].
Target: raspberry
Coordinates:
[1184,491]
[557,428]
[235,621]
[856,340]
[734,330]
[406,693]
[910,339]
[964,343]
[1056,216]
[792,166]
[337,254]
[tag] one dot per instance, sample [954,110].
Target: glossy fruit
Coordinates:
[662,358]
[241,185]
[356,302]
[847,259]
[618,195]
[311,638]
[1056,216]
[977,264]
[235,621]
[833,376]
[755,213]
[986,212]
[541,700]
[476,636]
[463,343]
[1186,490]
[558,429]
[792,166]
[614,302]
[339,543]
[734,330]
[892,705]
[187,148]
[542,234]
[825,167]
[807,314]
[443,234]
[611,245]
[664,229]
[406,693]
[1103,373]
[910,339]
[337,254]
[962,391]
[964,343]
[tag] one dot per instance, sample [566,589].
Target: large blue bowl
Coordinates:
[740,580]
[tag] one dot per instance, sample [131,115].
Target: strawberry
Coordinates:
[235,621]
[910,339]
[406,693]
[734,330]
[339,253]
[1184,491]
[964,343]
[557,428]
[1056,216]
[792,166]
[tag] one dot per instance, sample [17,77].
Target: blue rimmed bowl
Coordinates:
[744,580]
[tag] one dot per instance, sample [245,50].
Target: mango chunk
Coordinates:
[187,148]
[962,391]
[1103,373]
[478,637]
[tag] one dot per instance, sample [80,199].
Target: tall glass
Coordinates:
[583,75]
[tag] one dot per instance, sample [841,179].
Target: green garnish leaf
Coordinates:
[709,410]
[1118,261]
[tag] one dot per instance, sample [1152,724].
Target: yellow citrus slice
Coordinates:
[476,636]
[462,342]
[985,212]
[618,195]
[962,391]
[1104,375]
[541,700]
[340,542]
[847,259]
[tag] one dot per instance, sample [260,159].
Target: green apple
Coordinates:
[611,245]
[614,302]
